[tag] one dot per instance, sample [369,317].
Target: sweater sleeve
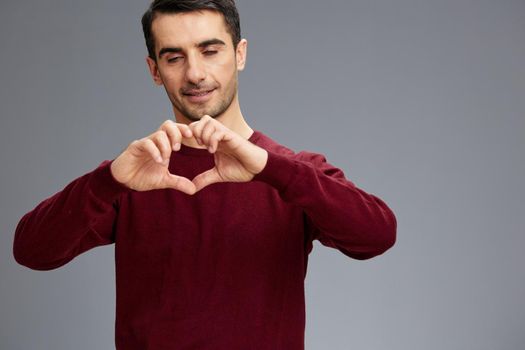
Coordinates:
[338,213]
[72,221]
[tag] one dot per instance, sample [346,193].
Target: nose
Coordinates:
[195,72]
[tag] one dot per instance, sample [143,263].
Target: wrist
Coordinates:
[113,170]
[261,159]
[104,185]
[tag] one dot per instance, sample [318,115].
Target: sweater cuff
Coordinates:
[103,185]
[278,172]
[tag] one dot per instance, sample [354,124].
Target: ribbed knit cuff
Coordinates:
[278,172]
[103,185]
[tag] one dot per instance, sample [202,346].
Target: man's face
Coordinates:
[196,63]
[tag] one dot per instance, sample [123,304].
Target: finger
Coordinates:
[148,146]
[173,132]
[196,128]
[208,130]
[214,141]
[185,130]
[180,183]
[163,143]
[206,178]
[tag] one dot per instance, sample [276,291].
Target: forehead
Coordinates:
[188,28]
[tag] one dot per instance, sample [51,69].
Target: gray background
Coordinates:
[420,102]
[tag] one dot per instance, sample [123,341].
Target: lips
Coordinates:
[197,92]
[198,96]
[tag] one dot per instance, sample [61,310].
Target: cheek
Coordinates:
[223,71]
[172,83]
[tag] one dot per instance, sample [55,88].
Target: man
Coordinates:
[212,221]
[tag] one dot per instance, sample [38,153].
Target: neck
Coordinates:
[232,118]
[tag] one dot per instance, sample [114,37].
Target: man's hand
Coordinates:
[236,159]
[144,164]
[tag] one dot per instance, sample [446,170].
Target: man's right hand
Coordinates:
[144,164]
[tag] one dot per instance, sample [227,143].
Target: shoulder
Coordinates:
[266,142]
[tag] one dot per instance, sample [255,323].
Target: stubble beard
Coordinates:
[196,113]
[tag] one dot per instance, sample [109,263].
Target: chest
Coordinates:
[224,221]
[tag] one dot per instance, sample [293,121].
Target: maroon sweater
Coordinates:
[222,269]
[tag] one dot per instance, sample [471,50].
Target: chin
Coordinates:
[195,118]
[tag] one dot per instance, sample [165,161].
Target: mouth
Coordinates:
[198,95]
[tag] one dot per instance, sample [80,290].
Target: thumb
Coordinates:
[180,183]
[206,178]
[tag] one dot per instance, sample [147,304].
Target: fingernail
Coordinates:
[176,147]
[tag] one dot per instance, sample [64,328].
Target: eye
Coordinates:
[210,52]
[174,59]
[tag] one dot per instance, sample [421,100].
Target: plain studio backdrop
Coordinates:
[420,102]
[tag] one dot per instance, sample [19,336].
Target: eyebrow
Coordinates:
[202,44]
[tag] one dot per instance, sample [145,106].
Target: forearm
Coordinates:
[358,223]
[70,222]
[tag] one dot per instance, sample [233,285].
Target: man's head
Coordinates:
[194,48]
[225,7]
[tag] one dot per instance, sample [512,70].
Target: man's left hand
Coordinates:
[236,159]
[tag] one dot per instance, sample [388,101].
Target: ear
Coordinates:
[154,70]
[240,54]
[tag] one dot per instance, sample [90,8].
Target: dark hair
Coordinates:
[225,7]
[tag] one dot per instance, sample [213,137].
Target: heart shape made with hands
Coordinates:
[144,164]
[236,159]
